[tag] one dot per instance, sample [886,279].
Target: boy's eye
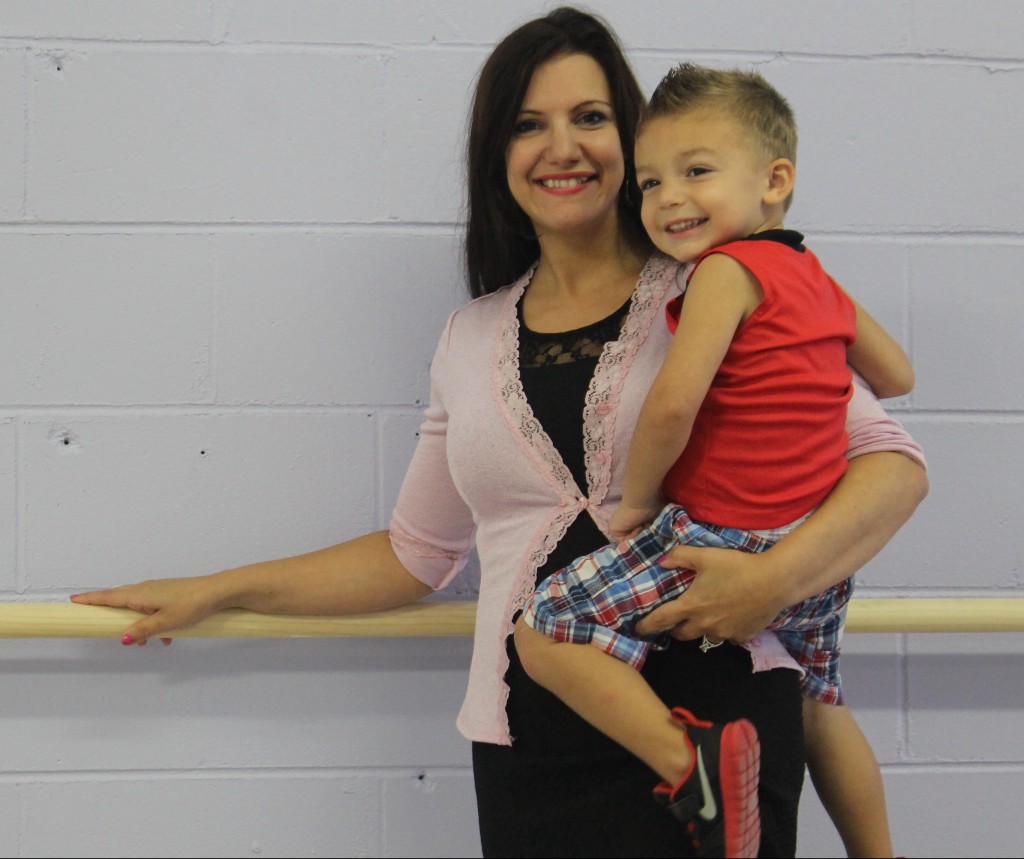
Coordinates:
[698,171]
[647,184]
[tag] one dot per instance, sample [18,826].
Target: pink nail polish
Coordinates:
[127,639]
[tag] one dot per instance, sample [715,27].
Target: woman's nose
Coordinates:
[563,145]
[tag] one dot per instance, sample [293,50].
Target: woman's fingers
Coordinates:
[149,627]
[159,600]
[723,603]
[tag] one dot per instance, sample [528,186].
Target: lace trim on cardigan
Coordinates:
[419,548]
[513,397]
[604,390]
[612,369]
[598,415]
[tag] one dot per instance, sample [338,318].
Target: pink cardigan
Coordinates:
[486,475]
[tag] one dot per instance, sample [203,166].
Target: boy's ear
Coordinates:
[781,179]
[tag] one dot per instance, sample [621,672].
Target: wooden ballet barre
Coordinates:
[68,620]
[456,618]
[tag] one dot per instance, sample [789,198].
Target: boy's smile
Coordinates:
[704,182]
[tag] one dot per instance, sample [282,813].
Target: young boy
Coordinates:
[744,427]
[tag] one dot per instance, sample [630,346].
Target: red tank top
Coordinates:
[769,440]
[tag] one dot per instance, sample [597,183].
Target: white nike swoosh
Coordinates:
[710,809]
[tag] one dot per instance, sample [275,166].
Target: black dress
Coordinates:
[564,789]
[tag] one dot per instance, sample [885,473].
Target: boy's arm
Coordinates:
[721,294]
[879,358]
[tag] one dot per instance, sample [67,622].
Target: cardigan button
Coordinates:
[604,409]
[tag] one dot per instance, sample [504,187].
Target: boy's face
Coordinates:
[704,182]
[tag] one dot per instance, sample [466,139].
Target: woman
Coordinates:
[534,391]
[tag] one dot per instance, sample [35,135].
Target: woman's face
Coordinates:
[564,162]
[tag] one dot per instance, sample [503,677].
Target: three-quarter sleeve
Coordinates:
[872,430]
[432,528]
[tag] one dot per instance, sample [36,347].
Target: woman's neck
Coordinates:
[578,282]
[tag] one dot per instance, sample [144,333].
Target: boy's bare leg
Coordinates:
[846,776]
[611,695]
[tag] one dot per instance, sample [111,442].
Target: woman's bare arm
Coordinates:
[357,576]
[736,595]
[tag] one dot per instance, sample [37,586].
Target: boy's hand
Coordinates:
[629,519]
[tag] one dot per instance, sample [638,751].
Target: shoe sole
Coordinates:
[739,773]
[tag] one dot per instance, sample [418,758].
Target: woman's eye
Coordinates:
[525,126]
[592,117]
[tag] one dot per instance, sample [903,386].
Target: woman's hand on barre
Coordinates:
[168,605]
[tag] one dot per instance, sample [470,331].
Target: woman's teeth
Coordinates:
[565,183]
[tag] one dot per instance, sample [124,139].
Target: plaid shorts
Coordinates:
[599,599]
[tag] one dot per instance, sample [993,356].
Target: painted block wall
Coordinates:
[229,237]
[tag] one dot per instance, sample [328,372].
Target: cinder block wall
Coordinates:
[229,235]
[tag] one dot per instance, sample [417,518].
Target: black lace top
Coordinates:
[556,370]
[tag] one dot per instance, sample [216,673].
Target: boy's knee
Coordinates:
[528,643]
[525,640]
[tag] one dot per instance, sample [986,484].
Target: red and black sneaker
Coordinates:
[717,799]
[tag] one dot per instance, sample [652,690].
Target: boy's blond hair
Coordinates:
[746,96]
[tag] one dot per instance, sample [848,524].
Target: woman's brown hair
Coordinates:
[500,243]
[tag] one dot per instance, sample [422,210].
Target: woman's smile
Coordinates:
[564,162]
